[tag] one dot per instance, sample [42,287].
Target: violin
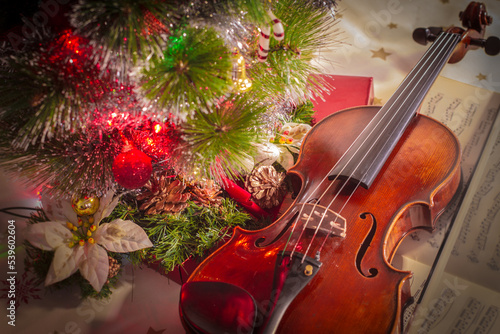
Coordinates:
[368,177]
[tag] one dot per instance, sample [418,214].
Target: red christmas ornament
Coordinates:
[132,168]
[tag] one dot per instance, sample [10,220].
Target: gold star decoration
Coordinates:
[392,25]
[380,53]
[377,101]
[481,76]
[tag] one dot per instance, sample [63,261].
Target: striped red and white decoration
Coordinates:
[265,34]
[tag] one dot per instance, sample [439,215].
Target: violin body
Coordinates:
[366,177]
[356,290]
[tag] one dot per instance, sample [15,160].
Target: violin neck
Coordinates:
[412,90]
[371,149]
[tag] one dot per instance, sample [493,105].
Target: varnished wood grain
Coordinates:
[418,180]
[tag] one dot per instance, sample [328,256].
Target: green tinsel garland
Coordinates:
[80,161]
[46,86]
[291,66]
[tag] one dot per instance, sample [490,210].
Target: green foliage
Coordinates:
[178,237]
[80,161]
[131,28]
[195,69]
[303,113]
[224,136]
[290,66]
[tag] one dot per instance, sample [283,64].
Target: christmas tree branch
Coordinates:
[131,28]
[178,237]
[291,63]
[194,69]
[224,136]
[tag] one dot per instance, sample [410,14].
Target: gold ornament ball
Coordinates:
[85,205]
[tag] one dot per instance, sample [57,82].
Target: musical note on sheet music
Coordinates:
[470,315]
[477,248]
[486,323]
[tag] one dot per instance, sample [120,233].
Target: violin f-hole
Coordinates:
[372,272]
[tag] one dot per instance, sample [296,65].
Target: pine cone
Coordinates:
[114,268]
[206,193]
[164,195]
[266,186]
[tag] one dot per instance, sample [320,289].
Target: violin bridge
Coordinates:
[329,221]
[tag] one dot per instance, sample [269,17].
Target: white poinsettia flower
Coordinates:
[81,243]
[281,148]
[267,154]
[295,133]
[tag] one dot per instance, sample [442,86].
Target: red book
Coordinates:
[346,92]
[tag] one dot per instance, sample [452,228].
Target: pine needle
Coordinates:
[193,70]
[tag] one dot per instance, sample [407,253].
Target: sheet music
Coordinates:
[464,291]
[477,248]
[460,307]
[470,113]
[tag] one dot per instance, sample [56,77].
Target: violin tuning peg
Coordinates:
[492,46]
[420,35]
[424,35]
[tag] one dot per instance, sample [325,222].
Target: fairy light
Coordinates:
[157,128]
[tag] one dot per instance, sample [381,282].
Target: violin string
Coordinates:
[333,181]
[447,49]
[424,59]
[332,169]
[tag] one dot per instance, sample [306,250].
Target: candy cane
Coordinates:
[279,32]
[265,34]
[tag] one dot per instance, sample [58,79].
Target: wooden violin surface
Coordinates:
[356,290]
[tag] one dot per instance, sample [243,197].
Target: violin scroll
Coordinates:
[475,19]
